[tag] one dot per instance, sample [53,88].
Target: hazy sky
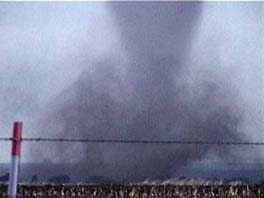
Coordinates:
[44,47]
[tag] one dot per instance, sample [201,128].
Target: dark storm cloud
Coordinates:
[148,98]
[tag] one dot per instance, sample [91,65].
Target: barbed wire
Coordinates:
[135,141]
[5,139]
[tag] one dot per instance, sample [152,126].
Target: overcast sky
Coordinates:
[43,48]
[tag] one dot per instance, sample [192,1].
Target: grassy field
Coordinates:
[135,191]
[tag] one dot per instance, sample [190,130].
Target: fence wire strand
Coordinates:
[134,141]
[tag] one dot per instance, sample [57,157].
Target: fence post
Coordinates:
[15,158]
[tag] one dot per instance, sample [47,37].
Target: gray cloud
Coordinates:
[166,73]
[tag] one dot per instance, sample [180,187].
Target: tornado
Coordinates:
[148,96]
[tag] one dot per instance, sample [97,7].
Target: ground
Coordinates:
[135,191]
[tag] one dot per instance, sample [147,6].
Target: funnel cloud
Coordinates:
[167,75]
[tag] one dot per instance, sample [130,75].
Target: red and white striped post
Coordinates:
[15,158]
